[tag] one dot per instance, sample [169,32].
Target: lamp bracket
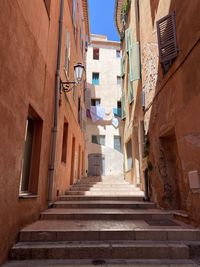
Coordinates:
[67,86]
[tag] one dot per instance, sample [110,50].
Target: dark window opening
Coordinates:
[129,155]
[31,156]
[119,80]
[64,143]
[98,139]
[95,102]
[117,143]
[118,53]
[96,53]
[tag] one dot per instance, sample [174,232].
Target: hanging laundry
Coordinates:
[115,122]
[97,113]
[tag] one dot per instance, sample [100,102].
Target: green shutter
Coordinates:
[130,90]
[122,66]
[123,106]
[127,39]
[134,61]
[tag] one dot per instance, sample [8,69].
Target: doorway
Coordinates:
[96,164]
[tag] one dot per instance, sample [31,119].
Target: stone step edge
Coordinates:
[70,250]
[103,235]
[106,263]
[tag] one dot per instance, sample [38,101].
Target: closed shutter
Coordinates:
[134,61]
[128,39]
[130,90]
[123,106]
[122,66]
[167,43]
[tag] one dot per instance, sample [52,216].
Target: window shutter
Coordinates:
[134,61]
[166,32]
[127,40]
[123,106]
[130,90]
[122,66]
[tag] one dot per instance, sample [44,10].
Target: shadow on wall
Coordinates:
[171,113]
[101,159]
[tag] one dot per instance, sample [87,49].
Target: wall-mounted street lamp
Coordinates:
[78,75]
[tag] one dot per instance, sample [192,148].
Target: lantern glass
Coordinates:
[78,72]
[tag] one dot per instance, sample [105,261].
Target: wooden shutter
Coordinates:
[130,90]
[134,61]
[166,32]
[127,40]
[123,106]
[122,66]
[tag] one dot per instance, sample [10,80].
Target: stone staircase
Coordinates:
[104,221]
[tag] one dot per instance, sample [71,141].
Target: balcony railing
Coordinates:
[117,112]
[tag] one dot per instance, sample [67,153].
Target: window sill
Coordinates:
[27,196]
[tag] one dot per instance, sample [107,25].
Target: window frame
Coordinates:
[98,142]
[93,78]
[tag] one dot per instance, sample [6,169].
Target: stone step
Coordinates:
[100,231]
[106,189]
[106,193]
[104,214]
[99,250]
[104,204]
[103,263]
[103,186]
[100,198]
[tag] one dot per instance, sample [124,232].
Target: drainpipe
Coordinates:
[56,103]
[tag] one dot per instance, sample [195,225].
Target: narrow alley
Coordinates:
[100,151]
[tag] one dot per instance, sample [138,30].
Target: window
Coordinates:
[98,139]
[117,143]
[95,102]
[31,156]
[64,143]
[96,53]
[48,5]
[67,53]
[117,111]
[167,44]
[118,80]
[129,155]
[118,53]
[95,78]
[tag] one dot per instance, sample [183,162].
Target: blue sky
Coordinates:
[102,18]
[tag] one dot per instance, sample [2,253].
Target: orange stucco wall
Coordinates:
[28,54]
[172,121]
